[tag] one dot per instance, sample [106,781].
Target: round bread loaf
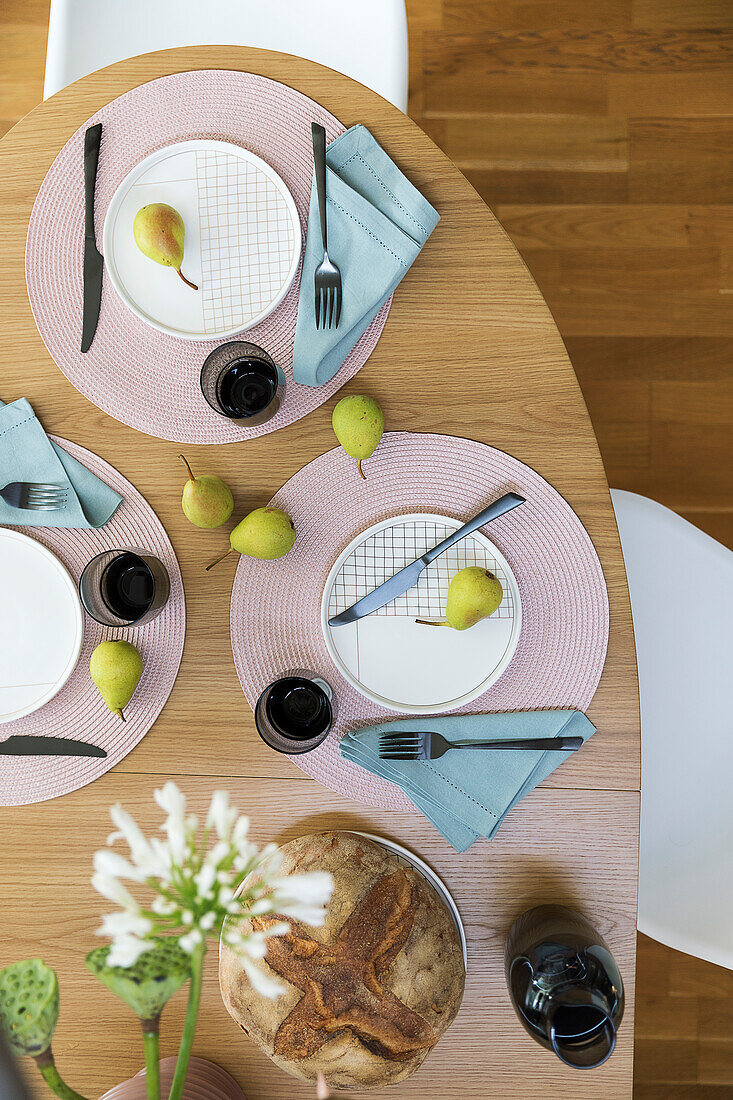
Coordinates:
[369,994]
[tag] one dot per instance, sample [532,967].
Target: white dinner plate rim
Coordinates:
[432,877]
[79,624]
[129,181]
[411,708]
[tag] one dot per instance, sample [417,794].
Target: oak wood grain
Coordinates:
[498,343]
[485,1054]
[615,371]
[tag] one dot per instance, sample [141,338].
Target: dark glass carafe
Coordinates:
[564,984]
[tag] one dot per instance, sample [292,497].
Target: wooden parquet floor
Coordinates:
[601,134]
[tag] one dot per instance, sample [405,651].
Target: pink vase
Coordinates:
[204,1081]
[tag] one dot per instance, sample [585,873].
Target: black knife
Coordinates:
[27,745]
[93,262]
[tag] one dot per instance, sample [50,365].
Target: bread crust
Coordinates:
[370,993]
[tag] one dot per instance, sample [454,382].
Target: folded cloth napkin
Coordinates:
[377,224]
[27,454]
[467,794]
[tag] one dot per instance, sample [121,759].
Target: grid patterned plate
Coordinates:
[389,657]
[242,242]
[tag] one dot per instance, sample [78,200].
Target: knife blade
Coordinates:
[407,577]
[31,745]
[93,262]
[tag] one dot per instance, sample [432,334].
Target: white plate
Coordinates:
[387,656]
[41,625]
[241,247]
[432,877]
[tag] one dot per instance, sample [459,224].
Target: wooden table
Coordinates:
[470,348]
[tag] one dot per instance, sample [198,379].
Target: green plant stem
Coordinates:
[53,1078]
[189,1027]
[152,1057]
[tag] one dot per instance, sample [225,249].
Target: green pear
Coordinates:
[359,425]
[265,533]
[116,668]
[474,593]
[159,233]
[207,501]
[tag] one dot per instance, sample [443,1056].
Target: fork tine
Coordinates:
[46,486]
[338,306]
[318,306]
[331,302]
[398,756]
[399,742]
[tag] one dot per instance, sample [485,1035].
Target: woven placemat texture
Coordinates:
[143,377]
[275,608]
[78,710]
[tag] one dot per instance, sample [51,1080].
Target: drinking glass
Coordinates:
[124,587]
[240,381]
[295,713]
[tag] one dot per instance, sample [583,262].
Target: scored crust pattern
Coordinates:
[340,980]
[367,995]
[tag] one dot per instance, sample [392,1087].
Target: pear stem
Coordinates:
[185,463]
[360,470]
[220,558]
[431,622]
[187,281]
[118,712]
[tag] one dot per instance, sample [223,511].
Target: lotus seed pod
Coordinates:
[150,982]
[29,1005]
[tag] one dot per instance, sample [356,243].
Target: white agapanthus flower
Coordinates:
[196,877]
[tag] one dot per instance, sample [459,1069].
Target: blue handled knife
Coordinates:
[408,576]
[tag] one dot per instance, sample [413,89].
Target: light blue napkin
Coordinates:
[377,224]
[27,454]
[467,794]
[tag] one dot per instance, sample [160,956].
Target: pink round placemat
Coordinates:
[276,605]
[133,372]
[78,710]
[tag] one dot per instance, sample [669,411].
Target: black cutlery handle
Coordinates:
[523,743]
[92,140]
[319,160]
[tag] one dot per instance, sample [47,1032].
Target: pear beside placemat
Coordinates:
[265,533]
[207,500]
[368,995]
[358,424]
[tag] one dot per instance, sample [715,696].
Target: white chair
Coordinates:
[681,585]
[366,39]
